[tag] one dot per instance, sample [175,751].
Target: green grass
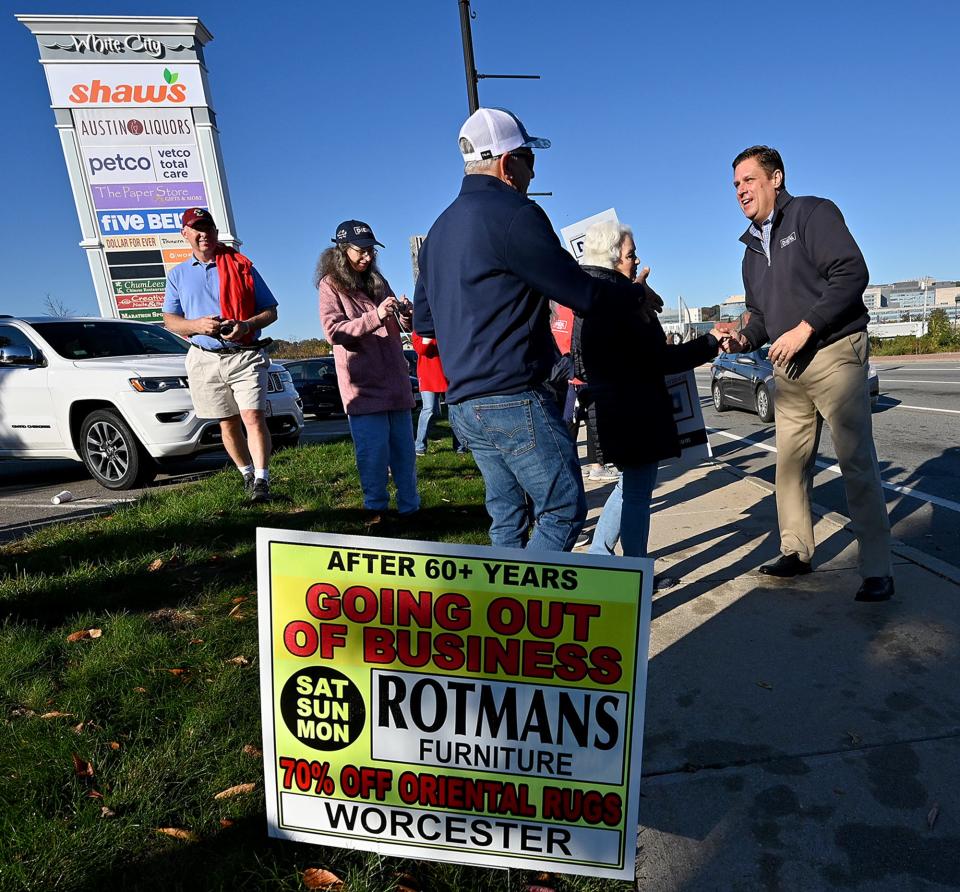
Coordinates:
[163,580]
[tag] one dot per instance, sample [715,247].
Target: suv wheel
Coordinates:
[111,452]
[764,404]
[718,402]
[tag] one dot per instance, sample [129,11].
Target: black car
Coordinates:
[745,381]
[316,382]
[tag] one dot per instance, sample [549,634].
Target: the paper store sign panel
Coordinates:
[125,85]
[456,703]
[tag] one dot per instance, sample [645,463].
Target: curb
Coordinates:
[934,565]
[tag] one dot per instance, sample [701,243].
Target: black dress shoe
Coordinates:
[876,588]
[785,566]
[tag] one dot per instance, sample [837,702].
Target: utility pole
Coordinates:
[473,98]
[473,77]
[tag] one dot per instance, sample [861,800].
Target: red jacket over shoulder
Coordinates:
[429,367]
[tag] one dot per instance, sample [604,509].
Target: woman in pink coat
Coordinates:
[362,319]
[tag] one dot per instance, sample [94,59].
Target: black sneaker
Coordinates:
[260,491]
[248,483]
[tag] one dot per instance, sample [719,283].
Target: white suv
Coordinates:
[112,394]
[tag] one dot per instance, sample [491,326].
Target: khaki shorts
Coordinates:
[223,385]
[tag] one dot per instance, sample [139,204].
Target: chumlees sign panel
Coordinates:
[455,703]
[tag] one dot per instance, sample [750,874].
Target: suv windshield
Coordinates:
[95,339]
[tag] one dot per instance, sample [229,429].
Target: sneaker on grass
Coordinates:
[260,491]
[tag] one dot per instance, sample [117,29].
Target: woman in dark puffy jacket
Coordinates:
[625,359]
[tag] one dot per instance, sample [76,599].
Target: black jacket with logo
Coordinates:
[816,273]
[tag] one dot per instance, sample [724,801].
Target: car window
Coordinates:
[294,368]
[94,339]
[13,337]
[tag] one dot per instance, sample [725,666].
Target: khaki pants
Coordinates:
[835,385]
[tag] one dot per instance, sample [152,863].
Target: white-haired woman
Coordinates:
[624,359]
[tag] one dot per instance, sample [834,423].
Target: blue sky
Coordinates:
[330,111]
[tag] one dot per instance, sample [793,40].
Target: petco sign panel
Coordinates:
[125,85]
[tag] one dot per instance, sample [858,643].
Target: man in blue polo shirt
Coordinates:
[219,302]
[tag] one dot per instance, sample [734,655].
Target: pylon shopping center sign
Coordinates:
[131,100]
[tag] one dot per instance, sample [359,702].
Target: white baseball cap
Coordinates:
[493,131]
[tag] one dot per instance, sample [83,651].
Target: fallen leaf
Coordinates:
[78,635]
[317,878]
[178,833]
[155,565]
[177,671]
[237,617]
[239,599]
[235,611]
[140,690]
[106,812]
[57,715]
[95,794]
[196,641]
[95,633]
[114,745]
[77,728]
[226,822]
[238,790]
[21,712]
[239,660]
[407,882]
[252,751]
[932,815]
[81,767]
[765,685]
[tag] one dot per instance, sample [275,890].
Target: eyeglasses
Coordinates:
[364,252]
[527,157]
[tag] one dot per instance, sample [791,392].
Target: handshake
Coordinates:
[730,341]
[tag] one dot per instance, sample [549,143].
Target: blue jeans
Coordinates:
[522,447]
[431,408]
[382,442]
[634,492]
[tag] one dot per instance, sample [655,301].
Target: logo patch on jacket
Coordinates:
[788,240]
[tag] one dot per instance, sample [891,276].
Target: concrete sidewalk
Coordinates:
[795,739]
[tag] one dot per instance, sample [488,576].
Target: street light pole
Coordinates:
[469,65]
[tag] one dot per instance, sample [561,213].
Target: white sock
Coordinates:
[247,469]
[262,474]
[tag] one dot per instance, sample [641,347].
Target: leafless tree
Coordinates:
[53,306]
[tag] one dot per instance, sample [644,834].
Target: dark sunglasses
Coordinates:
[527,157]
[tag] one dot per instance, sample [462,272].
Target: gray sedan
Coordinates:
[745,381]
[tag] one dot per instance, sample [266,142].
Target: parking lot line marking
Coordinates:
[887,378]
[834,468]
[893,405]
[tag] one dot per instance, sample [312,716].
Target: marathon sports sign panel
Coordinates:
[694,443]
[453,703]
[125,85]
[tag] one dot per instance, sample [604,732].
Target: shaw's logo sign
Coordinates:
[142,94]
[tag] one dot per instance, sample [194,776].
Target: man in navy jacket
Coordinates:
[488,267]
[804,278]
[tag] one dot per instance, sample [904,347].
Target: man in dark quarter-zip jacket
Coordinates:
[804,277]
